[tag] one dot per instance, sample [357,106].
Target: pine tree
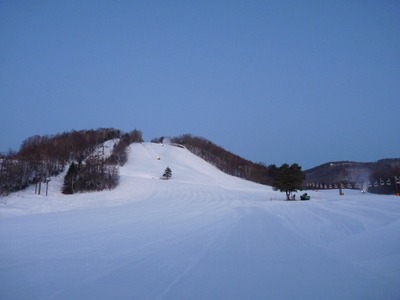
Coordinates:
[287,178]
[167,173]
[69,180]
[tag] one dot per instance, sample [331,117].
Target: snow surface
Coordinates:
[201,235]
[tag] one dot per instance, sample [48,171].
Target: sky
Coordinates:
[304,82]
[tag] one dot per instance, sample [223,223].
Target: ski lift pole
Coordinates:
[341,189]
[396,182]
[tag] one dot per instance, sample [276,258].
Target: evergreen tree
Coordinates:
[69,179]
[167,173]
[287,178]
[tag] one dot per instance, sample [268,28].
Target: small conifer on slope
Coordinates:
[167,173]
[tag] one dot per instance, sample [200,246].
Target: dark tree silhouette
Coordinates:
[69,180]
[287,178]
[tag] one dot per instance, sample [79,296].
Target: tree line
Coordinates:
[40,157]
[97,172]
[224,160]
[89,169]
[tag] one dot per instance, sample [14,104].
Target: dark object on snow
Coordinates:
[167,173]
[305,197]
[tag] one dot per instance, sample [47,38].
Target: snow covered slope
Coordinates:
[201,235]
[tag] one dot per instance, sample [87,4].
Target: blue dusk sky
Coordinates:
[272,81]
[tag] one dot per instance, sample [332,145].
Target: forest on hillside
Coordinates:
[88,169]
[80,154]
[41,157]
[224,160]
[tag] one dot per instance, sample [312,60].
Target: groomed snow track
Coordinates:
[201,235]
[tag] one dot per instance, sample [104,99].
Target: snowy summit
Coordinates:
[201,234]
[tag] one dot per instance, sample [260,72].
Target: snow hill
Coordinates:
[201,235]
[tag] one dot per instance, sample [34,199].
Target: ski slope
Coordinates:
[201,235]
